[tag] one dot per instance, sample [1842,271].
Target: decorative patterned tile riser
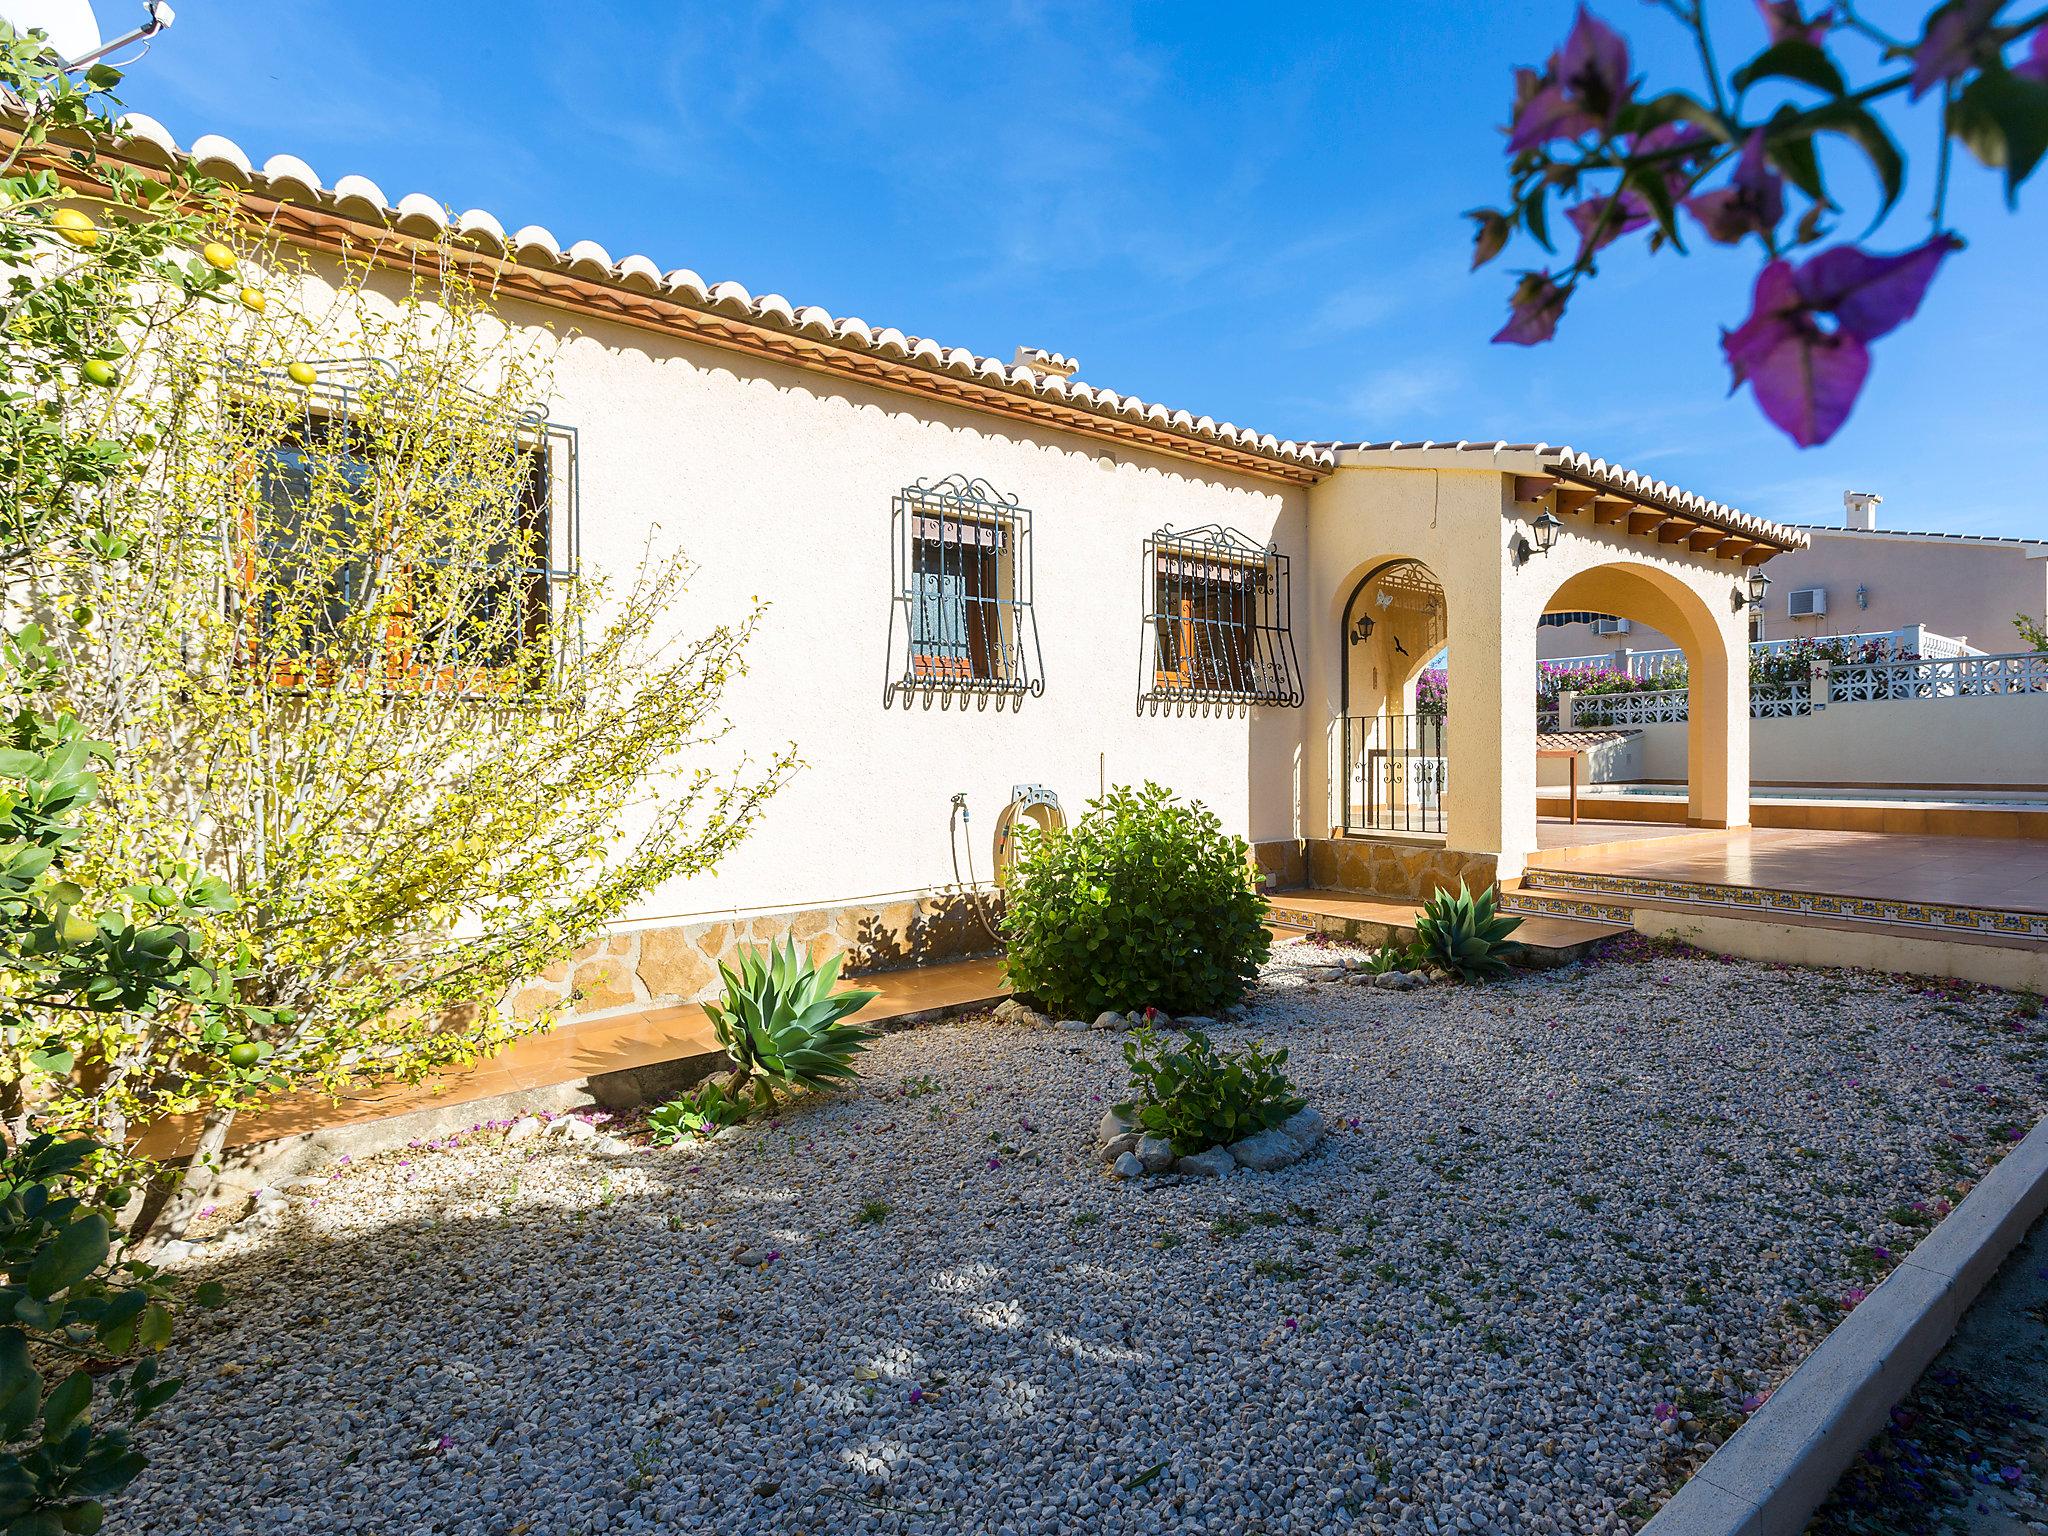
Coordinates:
[1748,898]
[1536,903]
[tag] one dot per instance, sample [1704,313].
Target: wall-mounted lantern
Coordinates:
[1752,596]
[1362,630]
[1545,528]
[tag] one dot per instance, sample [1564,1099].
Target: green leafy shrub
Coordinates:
[1199,1097]
[1144,901]
[782,1024]
[702,1112]
[1387,958]
[72,1304]
[1464,933]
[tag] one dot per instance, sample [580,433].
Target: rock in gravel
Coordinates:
[1395,981]
[525,1128]
[1011,1011]
[1115,1123]
[1127,1166]
[1075,1025]
[1117,1146]
[573,1128]
[1212,1164]
[1266,1152]
[1200,1021]
[1304,1128]
[1155,1152]
[1109,1018]
[752,1257]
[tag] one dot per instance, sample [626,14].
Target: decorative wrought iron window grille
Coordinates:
[962,574]
[532,572]
[1217,622]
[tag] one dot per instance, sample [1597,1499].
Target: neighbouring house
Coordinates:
[1860,579]
[990,580]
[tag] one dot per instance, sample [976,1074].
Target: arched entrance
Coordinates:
[1688,715]
[1394,628]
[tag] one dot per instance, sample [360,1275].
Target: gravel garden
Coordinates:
[1558,1235]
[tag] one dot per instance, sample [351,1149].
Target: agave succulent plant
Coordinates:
[1465,933]
[781,1022]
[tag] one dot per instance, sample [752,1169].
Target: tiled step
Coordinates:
[1376,920]
[1578,892]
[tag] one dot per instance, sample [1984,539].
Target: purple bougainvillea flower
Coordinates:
[917,1394]
[1853,1297]
[1581,90]
[1751,203]
[1785,23]
[1630,213]
[1806,374]
[1956,36]
[1290,1324]
[2034,66]
[1664,1413]
[1534,310]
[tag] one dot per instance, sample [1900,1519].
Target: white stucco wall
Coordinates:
[778,483]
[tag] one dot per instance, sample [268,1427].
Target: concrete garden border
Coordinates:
[1776,1470]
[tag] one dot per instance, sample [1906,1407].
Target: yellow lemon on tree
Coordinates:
[217,256]
[76,227]
[252,298]
[303,373]
[101,372]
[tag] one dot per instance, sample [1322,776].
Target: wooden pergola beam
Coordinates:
[1611,509]
[1757,554]
[1643,519]
[1533,488]
[1706,538]
[1572,500]
[1734,547]
[1675,529]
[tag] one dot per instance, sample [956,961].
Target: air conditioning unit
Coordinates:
[1610,626]
[1807,603]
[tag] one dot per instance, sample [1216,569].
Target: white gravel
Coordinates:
[1563,1227]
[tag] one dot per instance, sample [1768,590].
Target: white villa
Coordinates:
[990,579]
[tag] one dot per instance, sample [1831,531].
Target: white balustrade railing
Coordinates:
[1913,640]
[1949,677]
[1651,707]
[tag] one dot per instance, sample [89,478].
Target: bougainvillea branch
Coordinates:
[1731,161]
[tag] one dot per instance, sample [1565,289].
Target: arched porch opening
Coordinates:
[1393,631]
[1710,695]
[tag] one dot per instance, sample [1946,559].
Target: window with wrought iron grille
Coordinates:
[962,577]
[312,531]
[1217,621]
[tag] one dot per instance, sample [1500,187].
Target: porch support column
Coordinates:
[1717,725]
[1490,736]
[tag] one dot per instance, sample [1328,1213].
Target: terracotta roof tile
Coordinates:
[289,179]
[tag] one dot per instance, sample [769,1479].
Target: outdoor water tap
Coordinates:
[960,803]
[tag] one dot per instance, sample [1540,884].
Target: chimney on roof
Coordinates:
[1038,360]
[1859,510]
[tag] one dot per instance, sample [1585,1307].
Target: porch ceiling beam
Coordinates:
[1673,529]
[1533,488]
[1611,509]
[1572,500]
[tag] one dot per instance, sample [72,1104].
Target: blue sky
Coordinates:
[1249,211]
